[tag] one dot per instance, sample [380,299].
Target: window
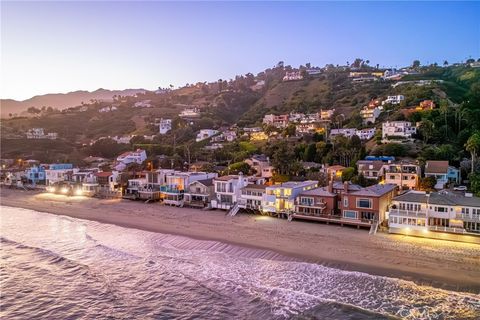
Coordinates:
[345,202]
[364,203]
[350,214]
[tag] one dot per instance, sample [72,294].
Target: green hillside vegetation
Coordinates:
[443,132]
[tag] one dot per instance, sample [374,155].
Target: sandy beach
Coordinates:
[439,263]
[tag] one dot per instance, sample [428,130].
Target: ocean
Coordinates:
[57,267]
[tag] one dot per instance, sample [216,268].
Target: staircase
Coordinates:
[374,228]
[234,210]
[290,217]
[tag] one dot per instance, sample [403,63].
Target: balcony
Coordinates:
[311,204]
[171,190]
[468,217]
[407,213]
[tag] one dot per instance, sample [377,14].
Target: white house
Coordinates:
[177,183]
[107,109]
[228,190]
[190,112]
[365,134]
[291,76]
[122,139]
[206,134]
[399,129]
[143,104]
[346,132]
[393,99]
[59,172]
[370,115]
[251,197]
[126,158]
[165,125]
[39,133]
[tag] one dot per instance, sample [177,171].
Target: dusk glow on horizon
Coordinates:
[53,47]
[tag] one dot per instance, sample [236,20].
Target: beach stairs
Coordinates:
[374,228]
[290,217]
[234,210]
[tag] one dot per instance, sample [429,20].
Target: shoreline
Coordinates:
[442,264]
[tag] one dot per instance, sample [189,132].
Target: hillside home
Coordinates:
[107,109]
[280,198]
[403,174]
[369,115]
[205,134]
[393,100]
[370,169]
[426,105]
[326,114]
[164,125]
[138,156]
[228,190]
[443,172]
[122,139]
[39,133]
[292,76]
[190,112]
[258,136]
[251,197]
[346,132]
[252,129]
[280,121]
[143,104]
[261,164]
[397,130]
[334,172]
[227,135]
[365,134]
[367,205]
[199,193]
[422,214]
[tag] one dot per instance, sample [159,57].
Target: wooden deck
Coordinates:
[332,219]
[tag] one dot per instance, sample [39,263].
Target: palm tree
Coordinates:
[444,110]
[473,146]
[427,130]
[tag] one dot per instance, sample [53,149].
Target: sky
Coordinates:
[54,47]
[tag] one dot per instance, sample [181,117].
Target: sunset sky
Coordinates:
[59,47]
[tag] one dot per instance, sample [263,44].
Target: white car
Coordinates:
[460,188]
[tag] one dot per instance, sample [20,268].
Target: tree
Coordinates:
[290,130]
[282,158]
[310,152]
[427,183]
[474,179]
[445,63]
[444,105]
[348,173]
[416,64]
[426,128]
[473,146]
[237,167]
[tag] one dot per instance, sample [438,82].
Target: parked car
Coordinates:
[460,188]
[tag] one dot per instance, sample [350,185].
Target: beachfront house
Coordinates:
[442,172]
[108,181]
[317,202]
[426,214]
[177,182]
[228,191]
[58,172]
[199,193]
[251,197]
[280,198]
[367,205]
[35,174]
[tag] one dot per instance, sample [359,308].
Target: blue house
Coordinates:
[35,174]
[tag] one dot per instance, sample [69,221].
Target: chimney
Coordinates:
[345,187]
[330,186]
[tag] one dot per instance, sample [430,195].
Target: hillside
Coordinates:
[243,102]
[60,100]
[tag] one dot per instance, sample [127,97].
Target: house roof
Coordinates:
[205,182]
[376,190]
[321,192]
[351,186]
[104,174]
[436,167]
[439,198]
[226,178]
[255,186]
[377,164]
[336,167]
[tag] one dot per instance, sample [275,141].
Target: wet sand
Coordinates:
[445,264]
